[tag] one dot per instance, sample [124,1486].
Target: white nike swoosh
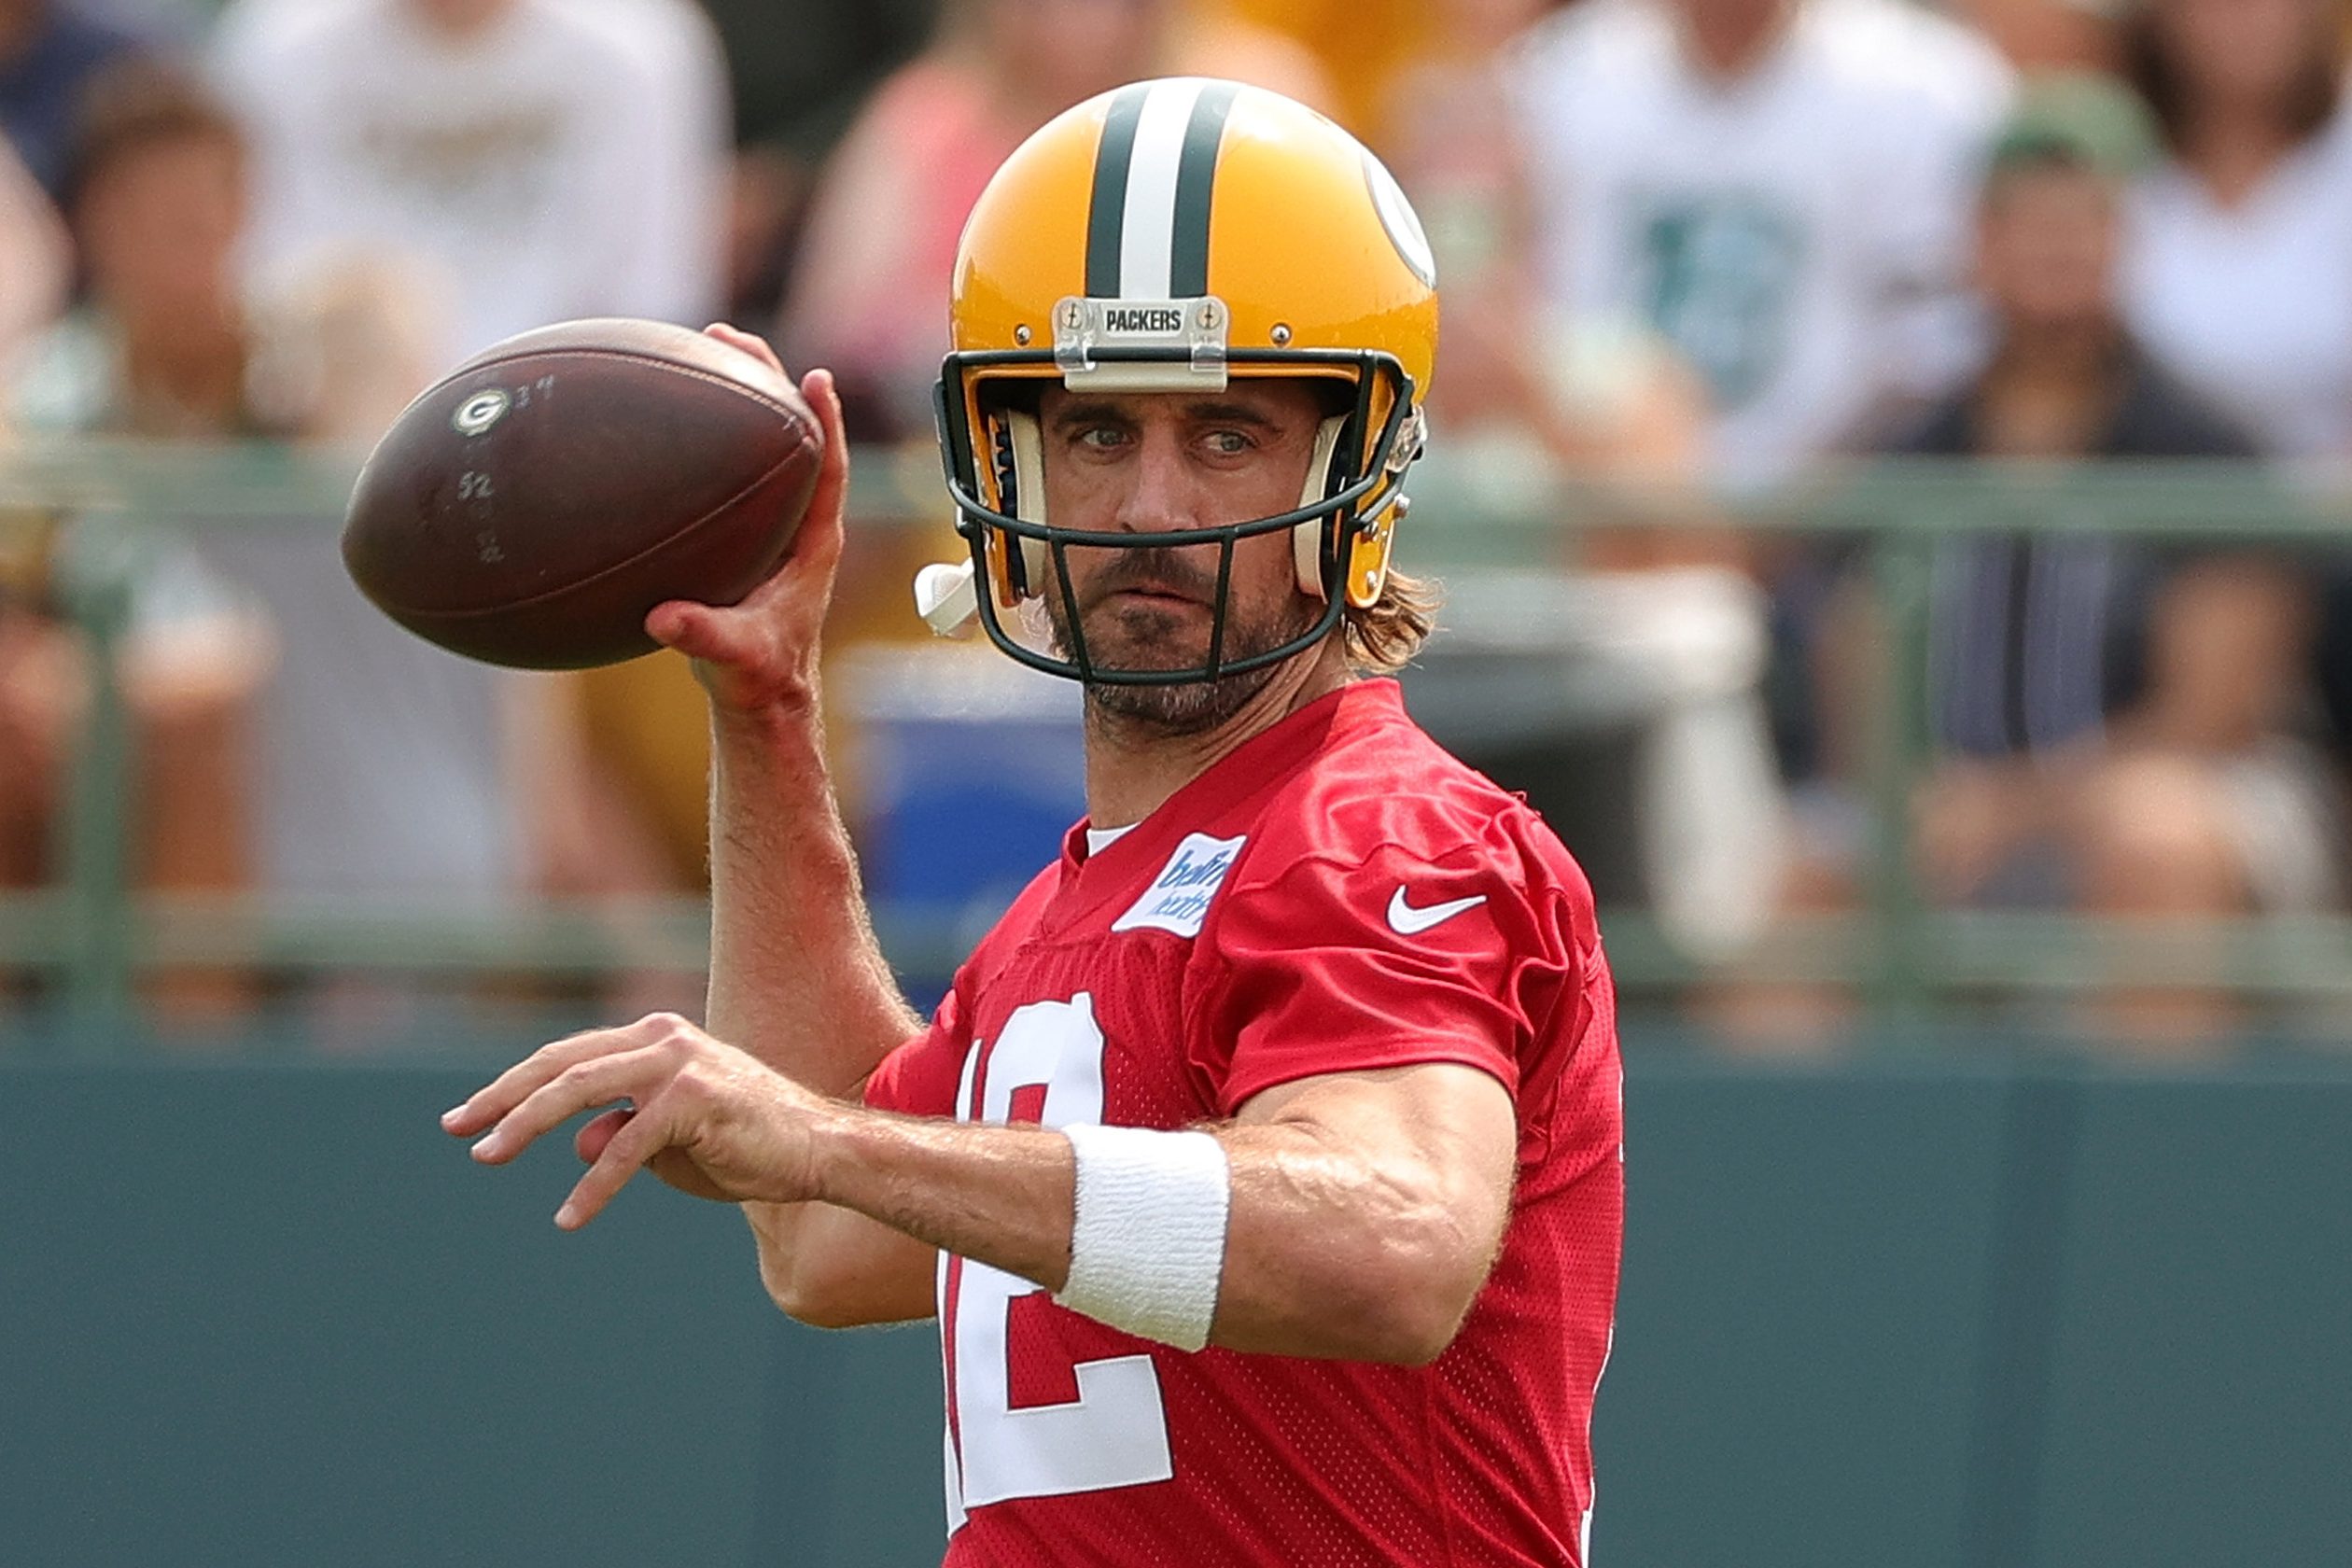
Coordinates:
[1406,920]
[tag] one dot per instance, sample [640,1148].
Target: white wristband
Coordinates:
[1147,1244]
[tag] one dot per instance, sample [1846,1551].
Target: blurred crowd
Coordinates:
[1693,247]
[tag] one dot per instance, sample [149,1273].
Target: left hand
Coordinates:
[705,1117]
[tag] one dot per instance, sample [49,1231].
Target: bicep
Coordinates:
[1446,1127]
[1367,1209]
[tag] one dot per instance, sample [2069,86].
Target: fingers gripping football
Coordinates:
[703,1116]
[763,651]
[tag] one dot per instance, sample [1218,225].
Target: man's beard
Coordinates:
[1143,638]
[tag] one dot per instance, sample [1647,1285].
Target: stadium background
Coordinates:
[1989,1183]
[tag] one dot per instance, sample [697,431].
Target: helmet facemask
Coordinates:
[1021,557]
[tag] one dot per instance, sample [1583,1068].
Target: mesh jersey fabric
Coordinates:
[1338,894]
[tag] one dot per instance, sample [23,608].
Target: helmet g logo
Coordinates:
[1402,224]
[480,411]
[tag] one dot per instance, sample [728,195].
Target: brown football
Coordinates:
[534,505]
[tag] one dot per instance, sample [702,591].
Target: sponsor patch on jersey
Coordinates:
[1178,899]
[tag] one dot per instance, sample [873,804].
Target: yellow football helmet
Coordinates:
[1165,237]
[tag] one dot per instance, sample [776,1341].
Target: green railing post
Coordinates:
[1902,565]
[94,830]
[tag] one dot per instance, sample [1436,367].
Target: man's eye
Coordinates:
[1100,437]
[1228,443]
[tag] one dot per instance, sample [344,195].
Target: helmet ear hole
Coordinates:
[1008,483]
[1009,489]
[1016,468]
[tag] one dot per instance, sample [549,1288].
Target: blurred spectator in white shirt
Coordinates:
[1665,789]
[157,188]
[1599,392]
[2240,275]
[49,51]
[545,158]
[1781,187]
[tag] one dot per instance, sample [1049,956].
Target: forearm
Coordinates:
[999,1194]
[796,976]
[1327,1254]
[798,980]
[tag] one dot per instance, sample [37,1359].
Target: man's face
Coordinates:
[1759,15]
[160,229]
[2243,52]
[2046,249]
[461,16]
[1142,464]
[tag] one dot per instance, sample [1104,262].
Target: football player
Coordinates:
[1262,1168]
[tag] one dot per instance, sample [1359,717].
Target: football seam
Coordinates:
[595,577]
[713,378]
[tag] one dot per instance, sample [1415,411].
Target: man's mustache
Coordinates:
[1154,569]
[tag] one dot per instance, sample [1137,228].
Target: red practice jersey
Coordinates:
[1336,895]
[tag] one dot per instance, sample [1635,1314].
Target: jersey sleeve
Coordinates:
[1395,959]
[920,1077]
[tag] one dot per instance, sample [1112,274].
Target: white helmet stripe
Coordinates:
[1147,237]
[1106,209]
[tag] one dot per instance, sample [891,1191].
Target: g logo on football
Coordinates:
[480,411]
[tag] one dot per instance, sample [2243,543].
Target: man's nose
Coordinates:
[1164,492]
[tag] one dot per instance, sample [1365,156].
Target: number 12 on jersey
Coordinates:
[1045,1066]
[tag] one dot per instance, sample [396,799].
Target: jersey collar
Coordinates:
[1255,769]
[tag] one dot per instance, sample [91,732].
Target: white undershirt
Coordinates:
[1100,839]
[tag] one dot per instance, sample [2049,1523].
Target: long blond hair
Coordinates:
[1383,640]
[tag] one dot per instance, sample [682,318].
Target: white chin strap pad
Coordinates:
[946,599]
[1306,538]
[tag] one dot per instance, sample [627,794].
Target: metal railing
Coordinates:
[94,936]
